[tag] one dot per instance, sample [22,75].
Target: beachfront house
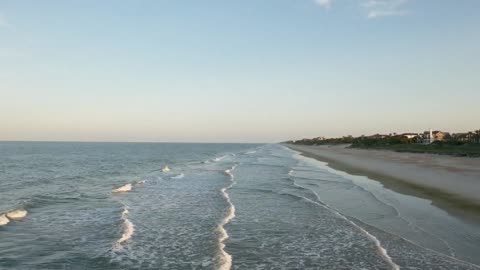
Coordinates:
[432,136]
[378,136]
[410,135]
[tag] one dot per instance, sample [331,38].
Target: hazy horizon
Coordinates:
[244,71]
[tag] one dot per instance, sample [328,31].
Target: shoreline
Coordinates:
[450,183]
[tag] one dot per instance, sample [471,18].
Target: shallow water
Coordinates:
[221,206]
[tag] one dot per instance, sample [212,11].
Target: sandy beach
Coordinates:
[446,180]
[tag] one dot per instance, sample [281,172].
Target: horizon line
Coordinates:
[165,142]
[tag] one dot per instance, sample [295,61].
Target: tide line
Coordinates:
[383,251]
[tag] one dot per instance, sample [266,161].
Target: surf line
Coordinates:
[128,228]
[127,225]
[383,252]
[225,258]
[16,215]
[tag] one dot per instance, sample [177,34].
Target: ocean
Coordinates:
[212,206]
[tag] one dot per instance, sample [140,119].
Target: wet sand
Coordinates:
[449,182]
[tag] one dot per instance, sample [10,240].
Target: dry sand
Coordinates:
[454,181]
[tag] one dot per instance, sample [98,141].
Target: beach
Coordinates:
[446,180]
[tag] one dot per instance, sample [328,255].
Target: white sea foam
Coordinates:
[225,258]
[17,214]
[250,152]
[165,169]
[139,182]
[125,213]
[220,158]
[383,252]
[128,228]
[180,176]
[4,220]
[124,188]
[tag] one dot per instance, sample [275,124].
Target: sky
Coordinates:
[236,71]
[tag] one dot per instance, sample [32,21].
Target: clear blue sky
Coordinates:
[243,71]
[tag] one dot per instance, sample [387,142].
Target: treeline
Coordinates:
[460,144]
[321,141]
[391,140]
[395,139]
[450,147]
[356,141]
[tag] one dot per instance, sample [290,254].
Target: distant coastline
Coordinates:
[465,144]
[452,183]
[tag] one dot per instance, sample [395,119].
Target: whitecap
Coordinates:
[180,176]
[220,158]
[128,230]
[125,213]
[124,188]
[165,169]
[225,262]
[139,182]
[17,214]
[4,220]
[229,172]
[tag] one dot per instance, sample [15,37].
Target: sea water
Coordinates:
[218,206]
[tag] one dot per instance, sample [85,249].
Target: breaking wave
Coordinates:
[180,176]
[124,188]
[128,228]
[17,214]
[4,220]
[225,260]
[219,158]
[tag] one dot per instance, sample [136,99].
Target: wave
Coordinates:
[180,176]
[382,251]
[450,249]
[219,158]
[128,228]
[125,212]
[17,214]
[127,231]
[451,256]
[225,258]
[4,220]
[124,188]
[46,199]
[250,152]
[165,169]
